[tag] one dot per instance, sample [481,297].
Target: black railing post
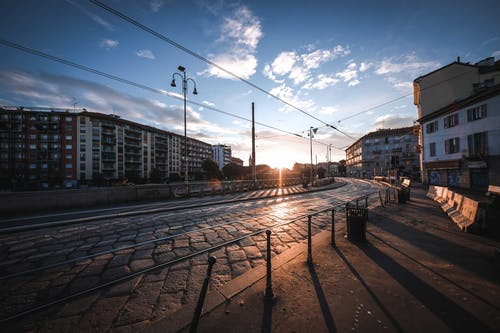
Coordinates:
[357,203]
[309,241]
[366,202]
[380,197]
[269,287]
[333,227]
[201,298]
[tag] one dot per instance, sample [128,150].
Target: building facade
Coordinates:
[387,149]
[42,148]
[459,116]
[221,155]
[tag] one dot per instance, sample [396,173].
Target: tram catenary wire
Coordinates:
[165,264]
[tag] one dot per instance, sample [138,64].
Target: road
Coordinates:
[118,269]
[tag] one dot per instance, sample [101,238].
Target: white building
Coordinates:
[221,155]
[459,114]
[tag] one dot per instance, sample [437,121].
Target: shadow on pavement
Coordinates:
[267,318]
[474,261]
[325,309]
[454,316]
[382,307]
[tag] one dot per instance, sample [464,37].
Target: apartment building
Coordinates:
[221,155]
[43,148]
[459,115]
[377,152]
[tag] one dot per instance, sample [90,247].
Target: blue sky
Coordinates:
[331,59]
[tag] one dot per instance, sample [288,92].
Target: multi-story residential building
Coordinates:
[386,149]
[459,114]
[43,147]
[221,155]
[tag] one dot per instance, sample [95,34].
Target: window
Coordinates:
[69,119]
[69,156]
[32,146]
[69,147]
[69,137]
[432,149]
[476,113]
[431,127]
[68,165]
[478,144]
[451,120]
[452,146]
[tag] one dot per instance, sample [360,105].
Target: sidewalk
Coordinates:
[416,273]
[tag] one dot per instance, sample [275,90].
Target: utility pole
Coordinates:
[254,170]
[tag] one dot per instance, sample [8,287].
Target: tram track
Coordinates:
[132,275]
[249,228]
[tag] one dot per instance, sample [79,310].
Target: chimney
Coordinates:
[458,59]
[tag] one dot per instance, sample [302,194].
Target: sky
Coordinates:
[349,64]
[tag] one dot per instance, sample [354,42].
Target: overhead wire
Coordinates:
[198,56]
[135,84]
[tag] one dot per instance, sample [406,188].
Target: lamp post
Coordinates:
[312,131]
[185,79]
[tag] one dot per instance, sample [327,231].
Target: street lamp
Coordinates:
[312,131]
[185,80]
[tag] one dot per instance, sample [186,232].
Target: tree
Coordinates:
[341,167]
[211,169]
[232,171]
[321,172]
[156,176]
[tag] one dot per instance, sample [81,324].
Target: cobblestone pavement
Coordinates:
[68,260]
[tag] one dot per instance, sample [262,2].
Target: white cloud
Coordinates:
[353,83]
[364,66]
[298,67]
[155,5]
[208,103]
[284,63]
[409,64]
[239,36]
[496,54]
[148,54]
[323,82]
[393,121]
[329,110]
[348,74]
[108,44]
[243,66]
[404,86]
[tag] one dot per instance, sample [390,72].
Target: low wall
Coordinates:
[36,201]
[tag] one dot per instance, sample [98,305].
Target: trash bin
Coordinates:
[403,194]
[356,223]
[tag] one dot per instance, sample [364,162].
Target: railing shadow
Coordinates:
[325,309]
[447,250]
[267,317]
[358,276]
[454,316]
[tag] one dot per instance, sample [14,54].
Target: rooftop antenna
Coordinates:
[74,104]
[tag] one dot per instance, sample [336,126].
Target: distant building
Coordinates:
[459,116]
[237,161]
[330,167]
[43,147]
[386,149]
[221,155]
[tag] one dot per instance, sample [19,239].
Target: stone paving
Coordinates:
[129,305]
